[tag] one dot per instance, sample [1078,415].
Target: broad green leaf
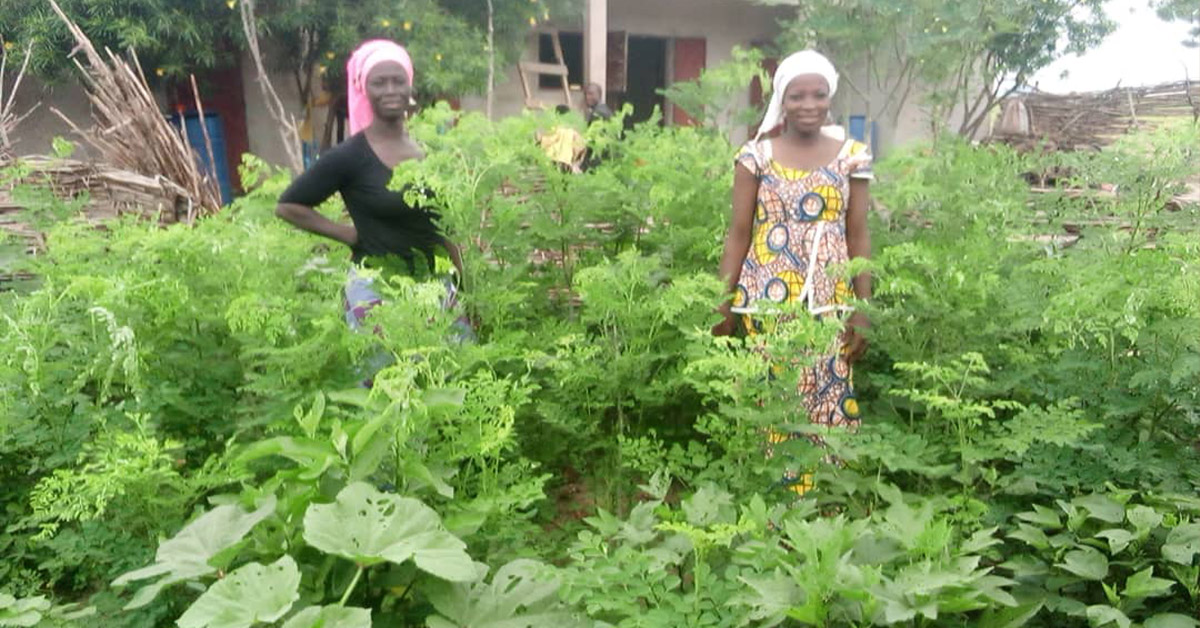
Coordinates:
[1143,584]
[773,595]
[1102,507]
[1030,535]
[414,468]
[994,587]
[330,617]
[186,556]
[1086,562]
[1171,620]
[368,433]
[369,527]
[24,612]
[522,594]
[1043,517]
[316,456]
[1144,519]
[368,457]
[1182,544]
[1117,538]
[253,593]
[1101,615]
[1013,617]
[444,397]
[709,506]
[980,541]
[1026,566]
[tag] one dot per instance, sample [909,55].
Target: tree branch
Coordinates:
[288,129]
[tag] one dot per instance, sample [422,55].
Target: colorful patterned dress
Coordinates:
[799,233]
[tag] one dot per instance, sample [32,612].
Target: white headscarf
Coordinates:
[798,64]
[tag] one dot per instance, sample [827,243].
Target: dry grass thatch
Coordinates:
[1093,120]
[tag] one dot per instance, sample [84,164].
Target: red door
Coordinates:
[690,53]
[756,88]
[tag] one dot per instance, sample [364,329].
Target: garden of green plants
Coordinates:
[184,439]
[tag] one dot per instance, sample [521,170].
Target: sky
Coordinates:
[1143,50]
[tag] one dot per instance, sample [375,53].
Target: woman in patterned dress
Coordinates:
[800,197]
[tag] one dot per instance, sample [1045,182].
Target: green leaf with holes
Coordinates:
[370,527]
[522,594]
[252,594]
[330,617]
[186,556]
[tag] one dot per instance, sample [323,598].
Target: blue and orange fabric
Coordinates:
[799,236]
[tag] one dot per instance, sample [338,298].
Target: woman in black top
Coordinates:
[387,232]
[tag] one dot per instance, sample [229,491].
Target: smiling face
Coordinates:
[388,90]
[806,102]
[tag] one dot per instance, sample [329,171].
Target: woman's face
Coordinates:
[806,103]
[388,90]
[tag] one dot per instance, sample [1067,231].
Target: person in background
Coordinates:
[800,198]
[386,231]
[593,104]
[563,144]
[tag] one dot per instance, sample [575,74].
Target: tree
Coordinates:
[962,57]
[172,37]
[1182,11]
[446,38]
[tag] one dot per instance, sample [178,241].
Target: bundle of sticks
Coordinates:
[1093,120]
[9,118]
[130,131]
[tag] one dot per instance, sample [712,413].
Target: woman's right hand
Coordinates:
[727,325]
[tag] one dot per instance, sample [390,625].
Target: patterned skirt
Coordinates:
[826,391]
[360,297]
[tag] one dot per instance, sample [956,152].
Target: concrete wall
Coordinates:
[263,131]
[723,23]
[35,134]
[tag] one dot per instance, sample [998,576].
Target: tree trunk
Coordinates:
[491,42]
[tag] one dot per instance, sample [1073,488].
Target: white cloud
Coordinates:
[1143,50]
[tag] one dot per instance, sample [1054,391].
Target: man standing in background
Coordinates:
[594,107]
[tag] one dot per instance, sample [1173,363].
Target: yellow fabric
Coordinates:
[564,145]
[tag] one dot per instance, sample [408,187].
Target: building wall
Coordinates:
[36,133]
[722,23]
[266,141]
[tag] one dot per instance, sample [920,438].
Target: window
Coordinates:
[572,48]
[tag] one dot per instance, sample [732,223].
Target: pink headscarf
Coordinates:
[370,54]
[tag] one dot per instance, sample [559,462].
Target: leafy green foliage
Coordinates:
[252,594]
[717,97]
[964,56]
[521,593]
[1029,407]
[190,553]
[369,527]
